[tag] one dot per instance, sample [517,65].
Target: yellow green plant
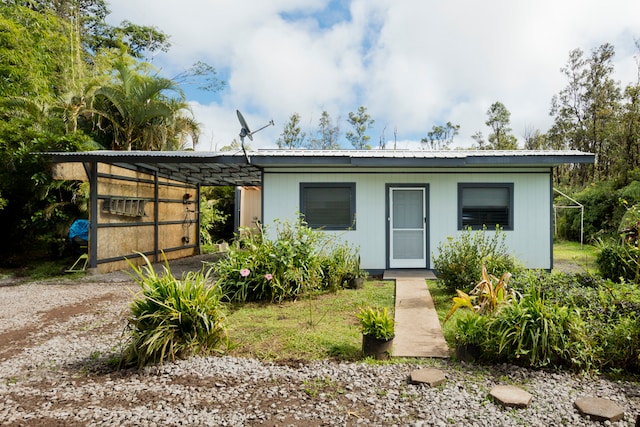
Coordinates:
[376,322]
[486,296]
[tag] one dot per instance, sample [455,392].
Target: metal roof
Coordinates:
[226,168]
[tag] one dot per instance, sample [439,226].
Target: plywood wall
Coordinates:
[121,235]
[250,206]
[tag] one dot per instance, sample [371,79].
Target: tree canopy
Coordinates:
[70,82]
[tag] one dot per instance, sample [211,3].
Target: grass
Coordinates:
[38,269]
[317,327]
[574,257]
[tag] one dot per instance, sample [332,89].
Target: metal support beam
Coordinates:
[156,218]
[198,219]
[92,174]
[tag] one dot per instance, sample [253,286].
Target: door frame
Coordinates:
[387,217]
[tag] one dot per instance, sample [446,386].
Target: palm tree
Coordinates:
[137,111]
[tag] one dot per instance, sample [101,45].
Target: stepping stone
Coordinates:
[430,376]
[599,409]
[511,396]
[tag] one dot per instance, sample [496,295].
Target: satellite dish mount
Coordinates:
[246,131]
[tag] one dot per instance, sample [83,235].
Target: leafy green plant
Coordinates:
[486,296]
[376,322]
[297,259]
[173,319]
[471,329]
[459,261]
[618,260]
[620,343]
[210,216]
[534,333]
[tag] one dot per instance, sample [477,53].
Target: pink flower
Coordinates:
[245,272]
[268,276]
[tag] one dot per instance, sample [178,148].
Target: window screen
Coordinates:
[485,205]
[329,206]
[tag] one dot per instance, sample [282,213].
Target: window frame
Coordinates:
[510,212]
[352,204]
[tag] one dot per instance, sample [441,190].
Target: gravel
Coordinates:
[57,339]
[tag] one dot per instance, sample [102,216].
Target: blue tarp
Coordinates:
[80,228]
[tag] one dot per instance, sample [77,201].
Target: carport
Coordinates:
[148,202]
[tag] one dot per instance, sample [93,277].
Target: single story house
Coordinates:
[395,205]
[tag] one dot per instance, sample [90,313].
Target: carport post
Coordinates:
[92,173]
[156,225]
[197,209]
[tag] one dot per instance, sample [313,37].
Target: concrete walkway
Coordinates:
[418,331]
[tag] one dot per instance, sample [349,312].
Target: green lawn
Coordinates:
[571,257]
[319,327]
[324,326]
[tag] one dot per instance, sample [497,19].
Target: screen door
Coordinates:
[407,230]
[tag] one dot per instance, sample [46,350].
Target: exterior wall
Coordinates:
[123,235]
[250,206]
[529,241]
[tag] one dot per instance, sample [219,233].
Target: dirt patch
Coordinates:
[17,339]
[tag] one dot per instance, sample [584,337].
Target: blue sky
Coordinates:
[412,64]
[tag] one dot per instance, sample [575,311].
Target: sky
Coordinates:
[412,64]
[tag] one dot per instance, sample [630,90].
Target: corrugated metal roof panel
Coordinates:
[236,168]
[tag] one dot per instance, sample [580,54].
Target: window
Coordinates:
[327,205]
[485,205]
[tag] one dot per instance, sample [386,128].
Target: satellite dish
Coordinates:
[245,131]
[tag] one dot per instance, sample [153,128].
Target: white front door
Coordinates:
[407,227]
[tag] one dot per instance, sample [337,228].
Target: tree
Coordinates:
[292,136]
[479,139]
[34,51]
[35,209]
[629,135]
[202,75]
[499,120]
[326,135]
[361,122]
[61,68]
[585,112]
[441,137]
[136,110]
[534,140]
[87,20]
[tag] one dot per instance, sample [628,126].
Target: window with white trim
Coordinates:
[330,206]
[485,204]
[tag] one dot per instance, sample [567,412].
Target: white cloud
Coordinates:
[413,64]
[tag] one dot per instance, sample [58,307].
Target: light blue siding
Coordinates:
[529,241]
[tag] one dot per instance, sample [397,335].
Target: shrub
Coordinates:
[620,344]
[609,312]
[605,204]
[471,329]
[617,261]
[173,318]
[298,259]
[459,261]
[534,333]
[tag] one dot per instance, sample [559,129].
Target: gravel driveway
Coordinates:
[57,338]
